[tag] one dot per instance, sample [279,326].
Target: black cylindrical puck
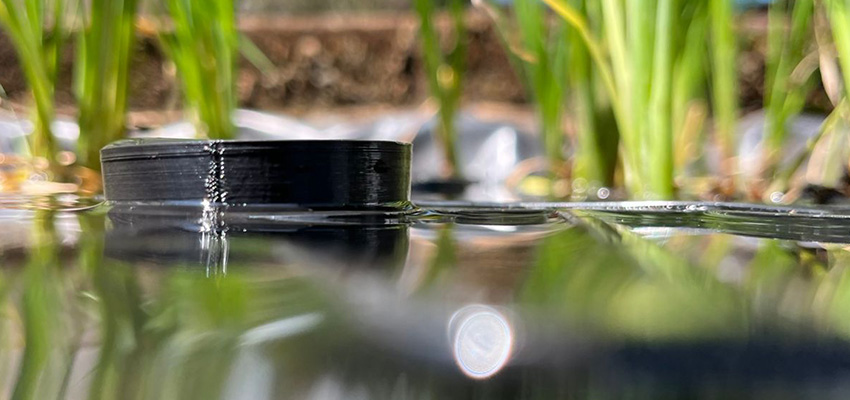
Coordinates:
[326,174]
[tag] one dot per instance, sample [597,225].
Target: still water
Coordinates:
[449,301]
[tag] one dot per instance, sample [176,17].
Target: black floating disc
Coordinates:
[331,174]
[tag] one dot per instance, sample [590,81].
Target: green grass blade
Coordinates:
[203,47]
[724,81]
[660,132]
[25,26]
[784,97]
[839,19]
[101,75]
[444,71]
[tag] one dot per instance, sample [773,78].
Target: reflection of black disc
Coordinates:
[191,235]
[329,174]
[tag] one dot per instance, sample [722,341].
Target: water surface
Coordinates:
[524,301]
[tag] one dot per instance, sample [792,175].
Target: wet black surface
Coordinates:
[337,174]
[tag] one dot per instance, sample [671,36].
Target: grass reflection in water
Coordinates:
[100,305]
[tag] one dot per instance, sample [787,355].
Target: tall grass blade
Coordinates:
[104,48]
[659,124]
[539,53]
[839,18]
[203,47]
[595,147]
[724,80]
[641,59]
[546,81]
[445,73]
[37,35]
[784,96]
[689,80]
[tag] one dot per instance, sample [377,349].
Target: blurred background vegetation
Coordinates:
[307,6]
[642,99]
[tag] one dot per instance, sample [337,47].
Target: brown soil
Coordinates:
[331,61]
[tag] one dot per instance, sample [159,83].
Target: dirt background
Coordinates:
[349,61]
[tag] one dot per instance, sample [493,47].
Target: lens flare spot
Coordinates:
[482,340]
